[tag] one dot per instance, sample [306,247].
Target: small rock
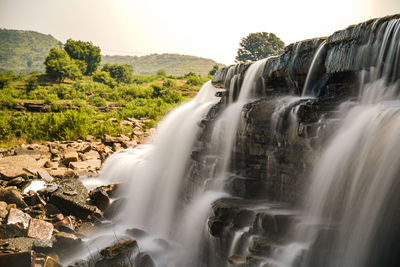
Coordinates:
[124,246]
[45,176]
[50,164]
[90,155]
[237,259]
[66,239]
[16,216]
[71,156]
[66,224]
[90,138]
[116,146]
[3,210]
[114,208]
[40,229]
[137,233]
[86,166]
[18,181]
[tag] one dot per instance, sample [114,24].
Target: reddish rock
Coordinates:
[40,229]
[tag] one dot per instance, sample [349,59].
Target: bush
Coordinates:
[122,73]
[161,72]
[169,83]
[194,80]
[97,101]
[105,78]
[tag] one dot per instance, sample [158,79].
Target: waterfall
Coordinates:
[310,86]
[351,212]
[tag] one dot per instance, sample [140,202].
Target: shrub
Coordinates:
[194,80]
[97,101]
[105,78]
[169,83]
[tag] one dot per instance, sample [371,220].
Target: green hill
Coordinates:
[173,64]
[24,51]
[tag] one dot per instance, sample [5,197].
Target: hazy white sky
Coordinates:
[207,28]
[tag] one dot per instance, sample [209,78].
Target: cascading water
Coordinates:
[350,208]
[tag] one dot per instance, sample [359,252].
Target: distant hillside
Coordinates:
[24,51]
[173,64]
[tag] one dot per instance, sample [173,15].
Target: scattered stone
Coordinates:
[100,198]
[68,157]
[66,224]
[90,138]
[90,155]
[49,164]
[18,182]
[11,195]
[16,216]
[3,210]
[45,176]
[86,166]
[63,173]
[18,259]
[40,229]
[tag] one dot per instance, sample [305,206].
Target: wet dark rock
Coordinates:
[11,231]
[144,260]
[66,224]
[50,262]
[85,229]
[3,210]
[115,207]
[100,198]
[64,239]
[18,259]
[137,233]
[118,254]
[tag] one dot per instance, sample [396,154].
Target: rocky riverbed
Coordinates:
[45,209]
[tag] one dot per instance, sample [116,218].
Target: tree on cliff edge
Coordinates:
[259,45]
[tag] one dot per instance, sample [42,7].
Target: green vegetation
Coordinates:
[59,66]
[259,45]
[84,52]
[122,73]
[172,64]
[74,109]
[24,51]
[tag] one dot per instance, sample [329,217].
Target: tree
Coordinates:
[122,73]
[59,66]
[104,77]
[259,45]
[213,70]
[85,52]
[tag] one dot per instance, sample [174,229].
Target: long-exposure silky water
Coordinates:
[350,210]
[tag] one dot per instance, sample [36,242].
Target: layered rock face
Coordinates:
[279,136]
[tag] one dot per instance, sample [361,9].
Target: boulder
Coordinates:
[40,229]
[114,208]
[71,197]
[16,216]
[17,166]
[63,173]
[90,155]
